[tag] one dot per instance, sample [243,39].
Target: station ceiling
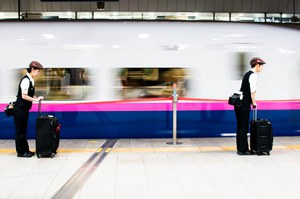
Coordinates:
[218,6]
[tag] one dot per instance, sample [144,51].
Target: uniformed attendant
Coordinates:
[242,113]
[23,104]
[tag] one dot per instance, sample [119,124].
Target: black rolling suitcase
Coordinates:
[261,135]
[47,135]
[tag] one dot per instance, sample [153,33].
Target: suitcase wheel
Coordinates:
[38,155]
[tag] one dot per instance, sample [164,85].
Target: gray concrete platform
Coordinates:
[206,168]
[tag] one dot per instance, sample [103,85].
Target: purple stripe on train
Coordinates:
[153,119]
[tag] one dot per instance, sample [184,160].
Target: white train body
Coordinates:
[215,56]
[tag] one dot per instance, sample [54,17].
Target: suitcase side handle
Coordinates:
[40,108]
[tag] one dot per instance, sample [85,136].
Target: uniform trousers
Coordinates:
[242,114]
[21,121]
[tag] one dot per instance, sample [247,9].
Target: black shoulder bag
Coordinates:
[9,109]
[235,99]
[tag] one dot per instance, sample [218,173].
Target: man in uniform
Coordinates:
[23,104]
[242,113]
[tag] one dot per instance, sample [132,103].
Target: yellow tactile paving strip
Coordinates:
[62,150]
[191,149]
[154,150]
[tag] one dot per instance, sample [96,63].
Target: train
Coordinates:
[115,79]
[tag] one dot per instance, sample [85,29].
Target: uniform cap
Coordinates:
[256,60]
[35,64]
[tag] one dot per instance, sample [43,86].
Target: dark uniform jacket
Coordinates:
[245,87]
[20,101]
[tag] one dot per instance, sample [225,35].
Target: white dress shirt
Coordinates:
[253,81]
[25,84]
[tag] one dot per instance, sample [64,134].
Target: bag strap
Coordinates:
[254,115]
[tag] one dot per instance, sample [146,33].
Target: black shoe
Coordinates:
[252,152]
[245,153]
[32,153]
[24,155]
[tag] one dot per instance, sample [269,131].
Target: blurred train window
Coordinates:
[150,82]
[241,65]
[62,83]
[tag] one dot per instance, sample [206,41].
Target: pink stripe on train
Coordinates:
[161,106]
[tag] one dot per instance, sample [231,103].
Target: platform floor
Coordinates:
[206,168]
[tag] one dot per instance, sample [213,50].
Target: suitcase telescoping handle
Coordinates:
[40,108]
[254,113]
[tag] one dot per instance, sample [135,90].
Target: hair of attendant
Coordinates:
[30,69]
